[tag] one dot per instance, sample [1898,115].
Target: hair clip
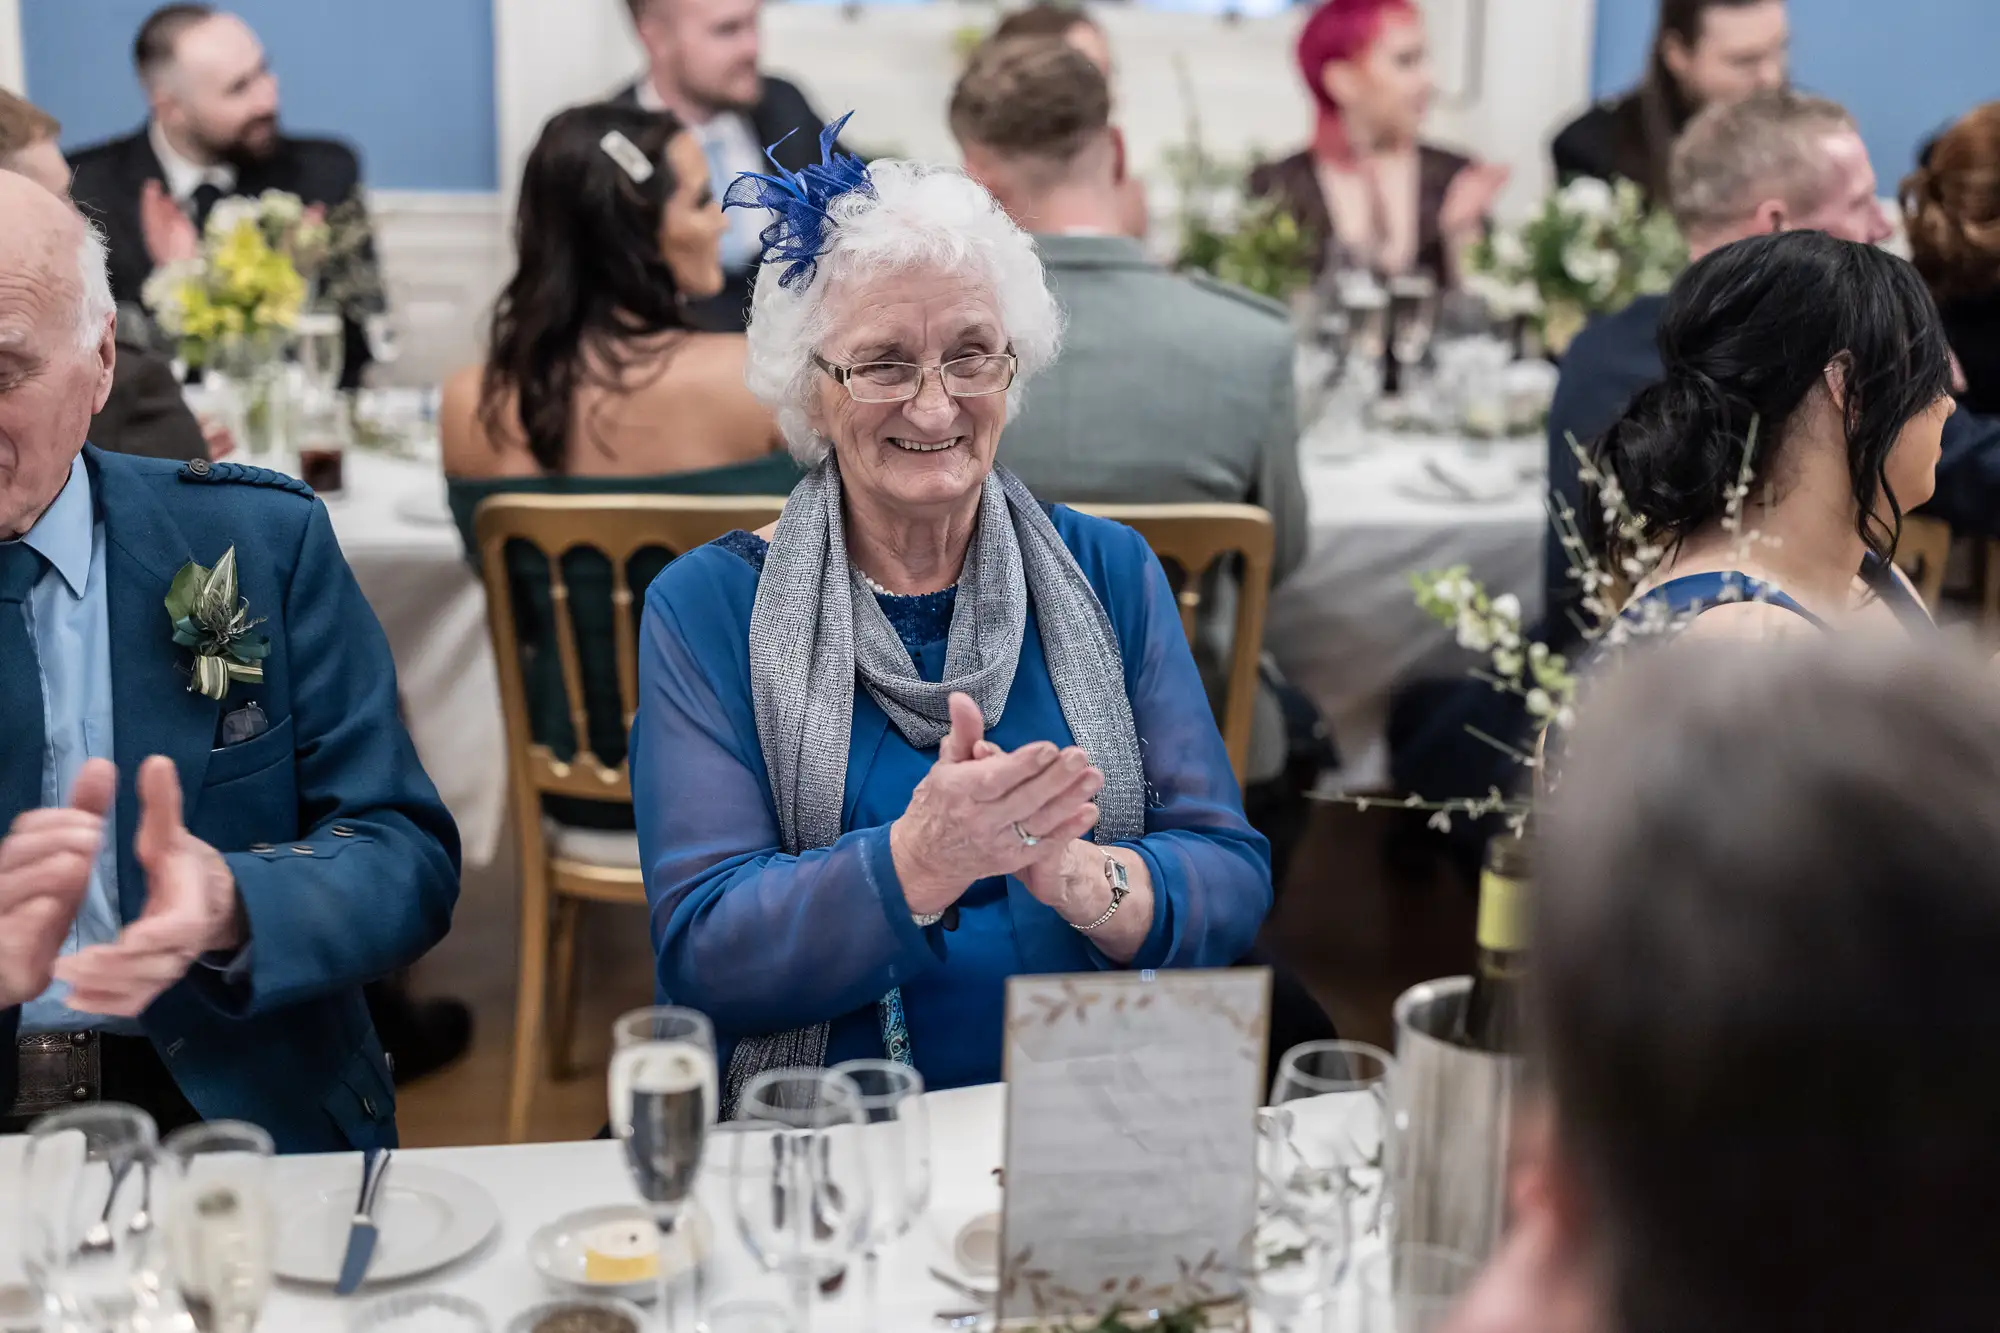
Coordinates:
[627,155]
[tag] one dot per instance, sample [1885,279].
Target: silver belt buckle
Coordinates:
[58,1069]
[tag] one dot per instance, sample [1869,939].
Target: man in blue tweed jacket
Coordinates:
[193,889]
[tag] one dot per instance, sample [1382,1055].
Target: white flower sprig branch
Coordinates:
[1543,679]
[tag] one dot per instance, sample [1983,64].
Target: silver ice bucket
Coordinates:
[1454,1110]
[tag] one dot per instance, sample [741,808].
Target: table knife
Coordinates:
[361,1232]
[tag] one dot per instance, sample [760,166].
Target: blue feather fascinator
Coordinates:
[799,201]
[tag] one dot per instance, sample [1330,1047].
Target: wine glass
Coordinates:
[896,1146]
[322,349]
[801,1187]
[219,1223]
[662,1093]
[88,1193]
[1286,1265]
[1411,1288]
[1331,1118]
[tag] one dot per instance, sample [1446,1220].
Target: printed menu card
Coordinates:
[1131,1139]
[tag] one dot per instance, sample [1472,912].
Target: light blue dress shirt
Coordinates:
[68,617]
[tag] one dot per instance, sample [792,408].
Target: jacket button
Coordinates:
[79,1039]
[198,468]
[80,1093]
[302,851]
[341,831]
[368,1107]
[262,847]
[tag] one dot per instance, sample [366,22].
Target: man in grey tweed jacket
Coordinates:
[1169,389]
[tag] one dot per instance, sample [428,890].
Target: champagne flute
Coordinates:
[1286,1266]
[1411,1288]
[90,1235]
[1330,1113]
[896,1147]
[663,1093]
[220,1222]
[799,1177]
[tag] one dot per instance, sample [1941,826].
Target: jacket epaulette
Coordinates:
[201,469]
[1241,295]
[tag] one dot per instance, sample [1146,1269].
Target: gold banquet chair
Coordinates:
[530,547]
[1190,541]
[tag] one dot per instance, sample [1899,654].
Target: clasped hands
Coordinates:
[46,861]
[966,818]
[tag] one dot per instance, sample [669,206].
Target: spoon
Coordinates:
[97,1241]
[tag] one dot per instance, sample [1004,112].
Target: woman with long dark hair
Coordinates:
[593,368]
[1821,361]
[1704,51]
[1368,191]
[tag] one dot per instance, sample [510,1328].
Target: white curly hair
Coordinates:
[919,216]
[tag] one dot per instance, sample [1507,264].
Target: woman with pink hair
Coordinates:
[1368,191]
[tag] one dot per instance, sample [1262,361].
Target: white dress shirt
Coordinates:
[184,177]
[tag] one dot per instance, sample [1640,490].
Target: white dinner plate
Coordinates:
[557,1250]
[425,1219]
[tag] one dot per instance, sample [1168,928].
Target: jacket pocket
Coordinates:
[234,762]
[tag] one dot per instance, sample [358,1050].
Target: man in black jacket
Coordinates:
[702,66]
[213,134]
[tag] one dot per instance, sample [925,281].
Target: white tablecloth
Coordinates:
[1344,627]
[398,536]
[537,1183]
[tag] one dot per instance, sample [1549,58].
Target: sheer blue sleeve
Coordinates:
[758,940]
[1211,871]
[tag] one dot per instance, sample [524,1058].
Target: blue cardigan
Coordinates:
[764,942]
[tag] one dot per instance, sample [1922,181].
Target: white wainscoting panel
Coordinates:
[13,63]
[444,258]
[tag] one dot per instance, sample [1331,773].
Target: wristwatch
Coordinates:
[1121,885]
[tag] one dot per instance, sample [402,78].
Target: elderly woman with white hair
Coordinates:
[925,733]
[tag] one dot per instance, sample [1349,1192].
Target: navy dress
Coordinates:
[764,942]
[1686,597]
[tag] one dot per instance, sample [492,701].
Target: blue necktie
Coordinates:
[20,686]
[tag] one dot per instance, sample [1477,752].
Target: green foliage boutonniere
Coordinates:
[211,619]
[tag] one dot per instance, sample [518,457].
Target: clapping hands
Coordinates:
[967,819]
[190,909]
[170,234]
[45,863]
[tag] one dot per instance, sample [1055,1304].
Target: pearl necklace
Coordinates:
[878,589]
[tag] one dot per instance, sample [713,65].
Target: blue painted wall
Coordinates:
[408,82]
[1905,69]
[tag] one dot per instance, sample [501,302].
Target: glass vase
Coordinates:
[256,388]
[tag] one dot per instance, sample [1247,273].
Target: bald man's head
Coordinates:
[57,349]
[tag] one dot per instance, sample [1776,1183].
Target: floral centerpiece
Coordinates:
[1591,249]
[234,305]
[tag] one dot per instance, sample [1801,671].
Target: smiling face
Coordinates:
[1386,92]
[220,95]
[933,453]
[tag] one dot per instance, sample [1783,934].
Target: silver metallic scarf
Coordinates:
[816,629]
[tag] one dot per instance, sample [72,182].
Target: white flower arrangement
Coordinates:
[1548,688]
[1591,249]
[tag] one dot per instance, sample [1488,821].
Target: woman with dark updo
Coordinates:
[1833,354]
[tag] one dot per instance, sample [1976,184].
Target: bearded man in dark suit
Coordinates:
[702,66]
[214,134]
